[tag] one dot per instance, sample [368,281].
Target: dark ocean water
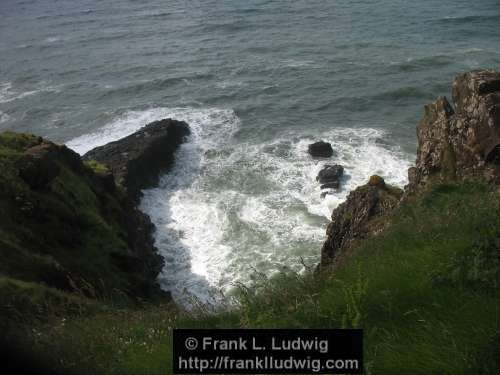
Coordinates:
[257,81]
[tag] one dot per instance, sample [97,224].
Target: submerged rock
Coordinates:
[137,161]
[320,149]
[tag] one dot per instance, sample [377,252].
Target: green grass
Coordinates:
[97,167]
[67,233]
[425,291]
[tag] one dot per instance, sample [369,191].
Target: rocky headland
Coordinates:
[137,160]
[455,142]
[71,223]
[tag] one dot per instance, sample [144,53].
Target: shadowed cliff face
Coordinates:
[453,144]
[66,224]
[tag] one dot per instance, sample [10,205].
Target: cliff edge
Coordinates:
[136,161]
[71,224]
[455,142]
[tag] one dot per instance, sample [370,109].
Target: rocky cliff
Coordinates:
[461,141]
[361,215]
[72,224]
[455,142]
[137,160]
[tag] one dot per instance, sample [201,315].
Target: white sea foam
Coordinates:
[52,39]
[5,92]
[292,63]
[4,117]
[228,207]
[9,94]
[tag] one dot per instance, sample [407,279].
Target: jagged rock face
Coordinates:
[454,142]
[356,218]
[460,142]
[136,161]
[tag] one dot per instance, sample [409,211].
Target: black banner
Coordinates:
[268,351]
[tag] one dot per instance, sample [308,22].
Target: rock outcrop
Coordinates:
[320,149]
[136,161]
[360,216]
[461,141]
[454,143]
[329,176]
[66,224]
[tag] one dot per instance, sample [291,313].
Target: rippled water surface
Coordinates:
[257,81]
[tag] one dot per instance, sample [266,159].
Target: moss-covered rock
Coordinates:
[65,225]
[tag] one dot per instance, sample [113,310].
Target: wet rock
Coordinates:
[138,160]
[320,149]
[330,174]
[331,185]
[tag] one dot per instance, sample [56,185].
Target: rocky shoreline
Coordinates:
[455,143]
[75,224]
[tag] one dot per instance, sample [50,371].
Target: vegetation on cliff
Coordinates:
[66,232]
[418,270]
[426,292]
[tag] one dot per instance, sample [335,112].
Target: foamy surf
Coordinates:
[9,94]
[4,117]
[230,208]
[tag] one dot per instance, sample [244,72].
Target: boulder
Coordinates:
[361,215]
[320,149]
[461,141]
[330,175]
[138,160]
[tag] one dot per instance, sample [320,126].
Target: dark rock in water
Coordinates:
[320,149]
[138,160]
[361,215]
[330,174]
[461,142]
[331,185]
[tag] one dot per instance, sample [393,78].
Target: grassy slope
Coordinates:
[426,292]
[48,234]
